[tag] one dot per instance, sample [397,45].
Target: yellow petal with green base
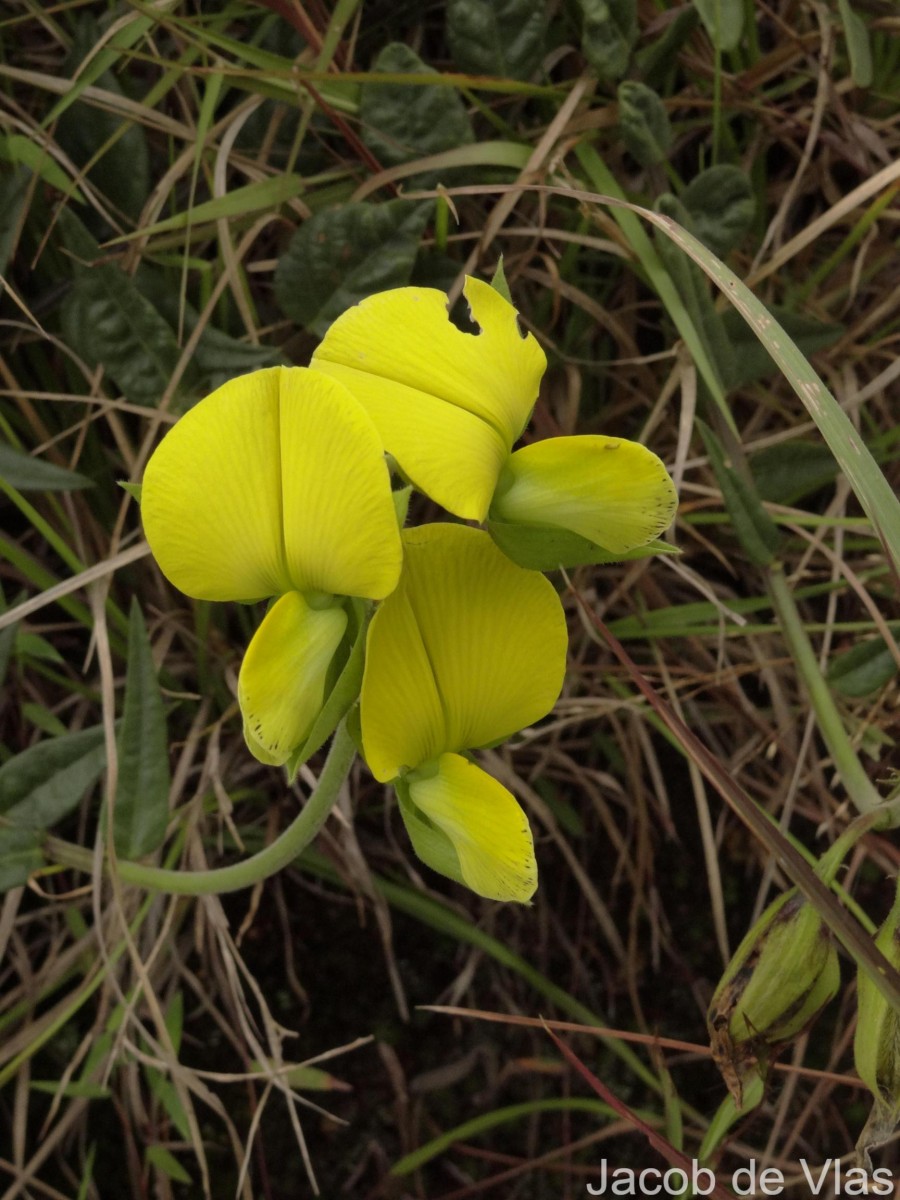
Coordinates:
[281,686]
[469,649]
[340,525]
[211,496]
[448,404]
[485,824]
[614,492]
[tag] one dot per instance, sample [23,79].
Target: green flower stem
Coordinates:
[284,850]
[859,787]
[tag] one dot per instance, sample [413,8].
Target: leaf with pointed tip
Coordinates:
[44,783]
[547,549]
[30,474]
[142,793]
[755,529]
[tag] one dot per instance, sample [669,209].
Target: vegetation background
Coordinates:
[188,192]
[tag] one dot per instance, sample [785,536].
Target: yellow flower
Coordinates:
[450,405]
[468,650]
[276,485]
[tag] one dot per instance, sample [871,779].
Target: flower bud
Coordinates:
[876,1046]
[783,973]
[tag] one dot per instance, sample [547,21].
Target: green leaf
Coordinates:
[608,35]
[20,855]
[108,322]
[546,549]
[862,670]
[88,133]
[787,472]
[755,529]
[499,283]
[402,122]
[859,46]
[431,844]
[750,358]
[721,206]
[644,123]
[166,1162]
[341,255]
[724,21]
[29,474]
[142,792]
[497,37]
[17,148]
[656,62]
[13,191]
[71,1091]
[42,784]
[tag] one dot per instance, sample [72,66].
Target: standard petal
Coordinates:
[400,711]
[494,633]
[484,822]
[407,363]
[340,525]
[614,492]
[211,496]
[281,687]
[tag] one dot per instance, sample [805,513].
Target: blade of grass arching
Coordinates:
[601,178]
[863,474]
[211,94]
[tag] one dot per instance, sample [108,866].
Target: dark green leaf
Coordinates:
[20,854]
[497,37]
[108,322]
[608,35]
[30,474]
[142,792]
[657,60]
[720,202]
[754,528]
[122,171]
[13,188]
[341,255]
[45,782]
[791,470]
[752,361]
[402,122]
[644,123]
[724,21]
[542,548]
[858,45]
[694,290]
[863,669]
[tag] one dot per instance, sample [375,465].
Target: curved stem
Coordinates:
[239,875]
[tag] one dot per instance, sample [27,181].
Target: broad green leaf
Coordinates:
[750,359]
[42,784]
[497,37]
[791,470]
[166,1162]
[13,190]
[16,148]
[108,322]
[608,35]
[29,474]
[142,792]
[546,549]
[859,46]
[721,206]
[754,528]
[90,134]
[341,255]
[644,123]
[695,293]
[724,21]
[20,854]
[402,122]
[863,669]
